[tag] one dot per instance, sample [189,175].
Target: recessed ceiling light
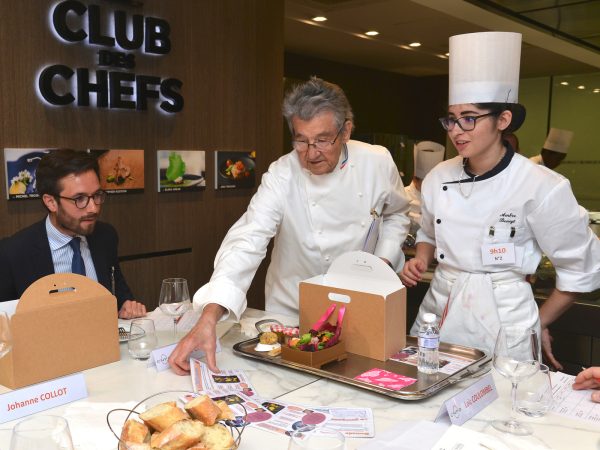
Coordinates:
[596,91]
[414,44]
[581,86]
[442,56]
[372,33]
[448,54]
[564,83]
[319,18]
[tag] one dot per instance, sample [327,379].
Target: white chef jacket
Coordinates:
[527,205]
[414,213]
[537,159]
[314,219]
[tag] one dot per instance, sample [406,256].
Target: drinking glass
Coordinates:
[41,432]
[534,395]
[142,338]
[317,439]
[516,358]
[174,299]
[5,335]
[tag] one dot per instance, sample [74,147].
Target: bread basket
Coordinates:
[236,427]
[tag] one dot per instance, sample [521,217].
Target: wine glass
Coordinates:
[5,335]
[174,299]
[42,432]
[516,358]
[142,338]
[534,396]
[317,439]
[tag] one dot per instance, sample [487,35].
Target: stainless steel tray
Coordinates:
[354,365]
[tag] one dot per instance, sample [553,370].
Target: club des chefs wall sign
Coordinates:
[73,21]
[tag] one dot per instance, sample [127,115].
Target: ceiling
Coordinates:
[341,38]
[576,20]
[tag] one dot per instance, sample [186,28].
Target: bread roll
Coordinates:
[217,437]
[180,435]
[204,409]
[134,432]
[226,412]
[154,439]
[162,416]
[136,446]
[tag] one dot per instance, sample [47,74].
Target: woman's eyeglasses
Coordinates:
[466,123]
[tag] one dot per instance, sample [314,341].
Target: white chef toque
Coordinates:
[558,140]
[484,68]
[428,154]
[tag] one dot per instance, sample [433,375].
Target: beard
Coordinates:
[83,226]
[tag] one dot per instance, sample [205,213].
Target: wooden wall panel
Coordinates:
[144,276]
[229,55]
[383,102]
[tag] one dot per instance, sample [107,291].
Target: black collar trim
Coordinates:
[503,164]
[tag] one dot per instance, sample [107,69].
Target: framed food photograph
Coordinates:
[20,165]
[181,170]
[121,171]
[235,169]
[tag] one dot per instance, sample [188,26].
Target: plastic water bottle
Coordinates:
[429,343]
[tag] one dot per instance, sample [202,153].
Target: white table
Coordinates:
[127,381]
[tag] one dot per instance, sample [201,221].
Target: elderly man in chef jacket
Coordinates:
[555,148]
[328,196]
[427,155]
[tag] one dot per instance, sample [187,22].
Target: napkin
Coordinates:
[87,422]
[407,435]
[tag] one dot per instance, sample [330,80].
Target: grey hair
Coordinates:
[313,97]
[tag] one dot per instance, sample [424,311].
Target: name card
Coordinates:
[468,403]
[159,357]
[498,254]
[40,397]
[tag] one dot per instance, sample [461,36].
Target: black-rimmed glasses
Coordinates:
[81,201]
[319,144]
[466,123]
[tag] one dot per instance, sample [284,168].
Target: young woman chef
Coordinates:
[489,213]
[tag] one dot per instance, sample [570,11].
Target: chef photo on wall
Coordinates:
[555,148]
[427,155]
[488,214]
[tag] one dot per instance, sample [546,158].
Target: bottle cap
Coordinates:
[429,318]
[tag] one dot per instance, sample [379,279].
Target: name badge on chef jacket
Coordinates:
[498,254]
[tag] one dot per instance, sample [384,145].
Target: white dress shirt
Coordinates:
[62,253]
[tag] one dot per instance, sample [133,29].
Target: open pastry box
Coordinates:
[375,299]
[315,359]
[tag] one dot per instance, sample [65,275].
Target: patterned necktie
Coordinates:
[77,265]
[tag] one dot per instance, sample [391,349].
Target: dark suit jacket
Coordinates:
[25,257]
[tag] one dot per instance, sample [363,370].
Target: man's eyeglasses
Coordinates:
[81,201]
[466,123]
[319,144]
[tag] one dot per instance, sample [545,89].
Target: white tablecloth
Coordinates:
[124,383]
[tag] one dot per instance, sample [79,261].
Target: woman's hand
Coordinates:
[547,349]
[412,272]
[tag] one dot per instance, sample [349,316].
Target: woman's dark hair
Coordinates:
[517,110]
[57,164]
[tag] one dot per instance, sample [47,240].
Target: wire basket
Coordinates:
[236,428]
